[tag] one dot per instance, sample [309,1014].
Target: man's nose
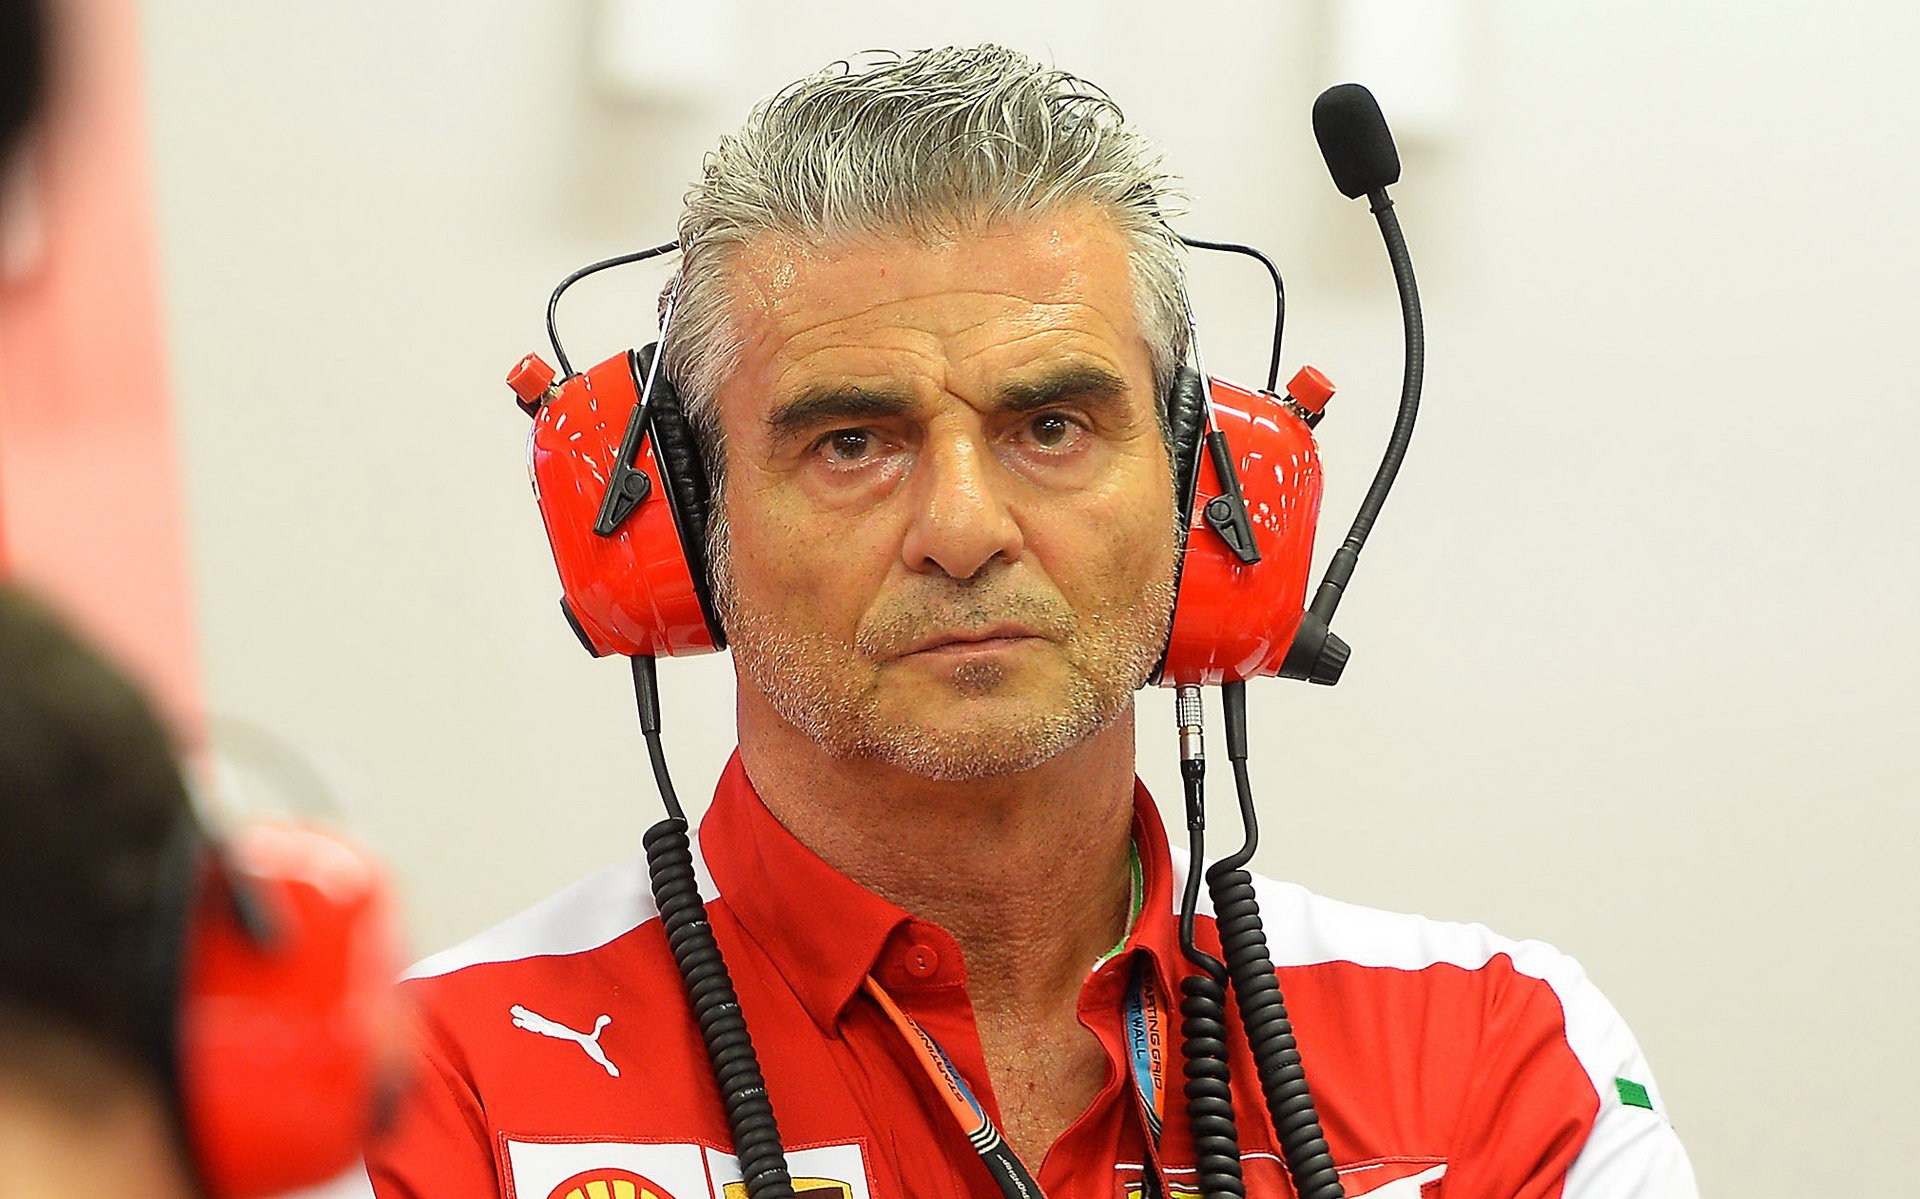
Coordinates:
[961,520]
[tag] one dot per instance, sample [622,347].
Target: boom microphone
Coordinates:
[1359,151]
[1354,140]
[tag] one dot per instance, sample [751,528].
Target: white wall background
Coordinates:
[1634,644]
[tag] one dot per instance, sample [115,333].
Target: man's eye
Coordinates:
[1052,430]
[849,445]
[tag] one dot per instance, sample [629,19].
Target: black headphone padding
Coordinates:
[1186,429]
[683,474]
[1186,417]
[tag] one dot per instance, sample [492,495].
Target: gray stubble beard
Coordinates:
[1109,659]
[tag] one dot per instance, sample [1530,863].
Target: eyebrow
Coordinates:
[835,402]
[1087,381]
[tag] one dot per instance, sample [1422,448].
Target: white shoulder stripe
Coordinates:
[1306,929]
[599,908]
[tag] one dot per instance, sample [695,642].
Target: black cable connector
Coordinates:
[646,695]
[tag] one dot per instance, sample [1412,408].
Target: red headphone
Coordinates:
[278,1028]
[617,473]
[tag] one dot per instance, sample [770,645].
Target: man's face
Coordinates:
[951,535]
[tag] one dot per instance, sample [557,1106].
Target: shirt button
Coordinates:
[921,961]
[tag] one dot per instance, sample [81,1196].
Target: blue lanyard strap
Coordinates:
[1147,1047]
[1147,1050]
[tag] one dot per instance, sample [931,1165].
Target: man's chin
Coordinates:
[958,757]
[984,737]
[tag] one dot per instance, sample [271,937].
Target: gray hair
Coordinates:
[926,145]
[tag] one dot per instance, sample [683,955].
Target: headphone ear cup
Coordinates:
[684,478]
[1234,620]
[288,1028]
[643,589]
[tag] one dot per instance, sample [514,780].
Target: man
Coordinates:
[924,318]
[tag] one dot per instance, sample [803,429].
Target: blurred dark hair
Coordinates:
[91,801]
[23,68]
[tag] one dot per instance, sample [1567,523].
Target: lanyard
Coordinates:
[1147,1047]
[1146,1050]
[1001,1161]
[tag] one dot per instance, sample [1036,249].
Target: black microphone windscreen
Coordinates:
[1354,140]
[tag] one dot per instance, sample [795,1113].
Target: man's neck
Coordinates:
[1030,872]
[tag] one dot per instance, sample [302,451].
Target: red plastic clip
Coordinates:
[1311,390]
[531,380]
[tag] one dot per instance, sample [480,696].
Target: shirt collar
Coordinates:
[1156,930]
[826,933]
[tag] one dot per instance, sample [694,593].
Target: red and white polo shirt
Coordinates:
[562,1061]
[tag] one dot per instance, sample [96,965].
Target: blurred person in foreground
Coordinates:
[23,55]
[180,1017]
[89,795]
[926,318]
[89,798]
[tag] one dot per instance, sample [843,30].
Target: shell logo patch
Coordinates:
[609,1184]
[558,1167]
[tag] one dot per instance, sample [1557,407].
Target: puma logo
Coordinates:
[534,1022]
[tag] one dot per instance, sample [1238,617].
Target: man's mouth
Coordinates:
[960,642]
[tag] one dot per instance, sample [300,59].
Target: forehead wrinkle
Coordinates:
[795,320]
[778,279]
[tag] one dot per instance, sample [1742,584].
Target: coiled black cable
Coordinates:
[716,1007]
[1263,1010]
[743,1092]
[1263,1013]
[1209,1088]
[1203,1026]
